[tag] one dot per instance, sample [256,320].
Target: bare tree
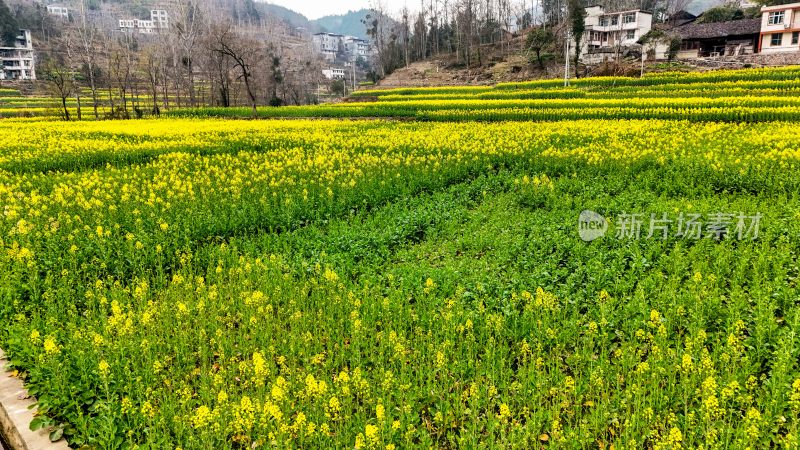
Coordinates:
[672,7]
[152,68]
[377,24]
[467,29]
[84,38]
[60,81]
[219,67]
[243,52]
[187,27]
[162,48]
[121,68]
[404,32]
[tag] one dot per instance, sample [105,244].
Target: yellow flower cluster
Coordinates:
[221,283]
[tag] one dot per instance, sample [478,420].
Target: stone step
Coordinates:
[16,412]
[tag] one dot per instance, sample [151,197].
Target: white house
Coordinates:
[780,28]
[610,32]
[333,73]
[62,12]
[18,62]
[159,20]
[127,25]
[145,26]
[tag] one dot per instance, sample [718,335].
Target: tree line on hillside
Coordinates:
[463,28]
[211,54]
[230,53]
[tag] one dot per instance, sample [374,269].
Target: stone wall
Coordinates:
[721,62]
[774,59]
[755,60]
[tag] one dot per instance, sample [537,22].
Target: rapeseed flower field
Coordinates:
[198,282]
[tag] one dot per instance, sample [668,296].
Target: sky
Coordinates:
[314,9]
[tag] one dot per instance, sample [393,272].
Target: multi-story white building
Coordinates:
[333,73]
[18,62]
[327,44]
[62,12]
[780,28]
[146,26]
[356,47]
[609,32]
[349,48]
[159,20]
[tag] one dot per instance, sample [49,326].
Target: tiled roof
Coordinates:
[719,29]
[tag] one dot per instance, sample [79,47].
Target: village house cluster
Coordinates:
[610,34]
[158,20]
[340,52]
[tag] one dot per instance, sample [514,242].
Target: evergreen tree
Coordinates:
[577,22]
[8,25]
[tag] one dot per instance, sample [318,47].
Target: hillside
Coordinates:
[511,62]
[697,7]
[291,17]
[500,63]
[348,24]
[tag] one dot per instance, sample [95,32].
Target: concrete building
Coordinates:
[356,47]
[159,20]
[62,12]
[334,73]
[780,28]
[611,33]
[18,62]
[346,48]
[328,44]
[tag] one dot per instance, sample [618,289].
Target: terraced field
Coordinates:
[204,283]
[731,96]
[15,105]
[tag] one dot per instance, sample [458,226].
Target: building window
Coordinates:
[690,45]
[629,18]
[614,20]
[777,39]
[795,37]
[604,21]
[631,34]
[776,17]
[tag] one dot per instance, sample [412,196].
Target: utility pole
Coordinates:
[566,61]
